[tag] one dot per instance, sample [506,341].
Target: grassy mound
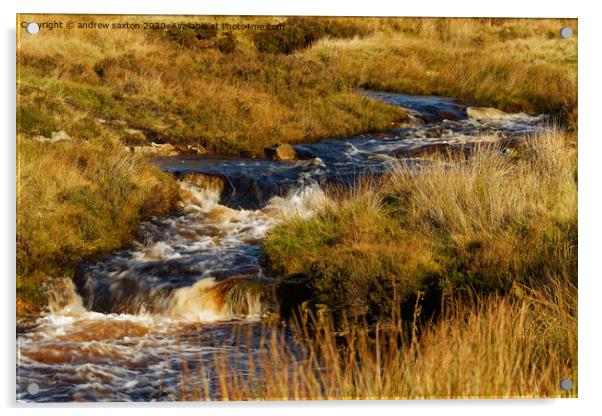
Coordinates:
[206,87]
[77,198]
[482,224]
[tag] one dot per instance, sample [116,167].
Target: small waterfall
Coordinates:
[201,264]
[195,197]
[302,202]
[208,300]
[63,298]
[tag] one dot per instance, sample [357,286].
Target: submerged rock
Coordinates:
[280,151]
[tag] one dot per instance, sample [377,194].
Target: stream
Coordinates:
[192,286]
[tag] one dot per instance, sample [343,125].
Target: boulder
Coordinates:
[280,151]
[479,113]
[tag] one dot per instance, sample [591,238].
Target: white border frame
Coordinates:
[590,151]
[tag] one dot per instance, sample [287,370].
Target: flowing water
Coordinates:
[129,324]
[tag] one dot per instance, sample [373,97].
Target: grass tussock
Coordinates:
[301,32]
[492,347]
[77,198]
[482,224]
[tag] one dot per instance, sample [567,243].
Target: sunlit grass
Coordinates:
[519,345]
[77,198]
[457,281]
[516,66]
[484,223]
[240,102]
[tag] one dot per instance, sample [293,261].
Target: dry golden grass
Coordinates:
[512,64]
[234,103]
[519,345]
[484,269]
[503,227]
[240,102]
